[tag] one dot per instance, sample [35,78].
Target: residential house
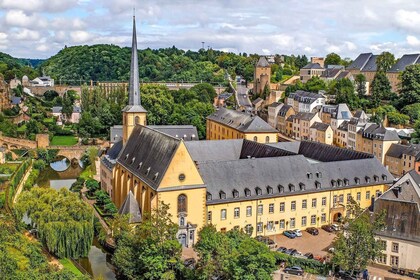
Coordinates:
[62,118]
[342,134]
[321,132]
[338,116]
[273,111]
[376,139]
[257,104]
[285,112]
[311,70]
[4,94]
[326,112]
[14,83]
[400,159]
[401,236]
[303,101]
[356,123]
[301,123]
[394,73]
[232,124]
[44,81]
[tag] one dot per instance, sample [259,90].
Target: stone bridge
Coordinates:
[60,89]
[17,143]
[72,152]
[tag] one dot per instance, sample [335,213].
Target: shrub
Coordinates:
[102,197]
[39,164]
[111,208]
[92,186]
[309,265]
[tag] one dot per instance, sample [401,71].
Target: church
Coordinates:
[261,188]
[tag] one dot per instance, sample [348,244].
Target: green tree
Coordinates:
[398,118]
[64,222]
[413,111]
[344,92]
[150,250]
[332,59]
[410,86]
[315,84]
[357,245]
[360,81]
[380,89]
[385,61]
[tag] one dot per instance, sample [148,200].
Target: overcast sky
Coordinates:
[40,28]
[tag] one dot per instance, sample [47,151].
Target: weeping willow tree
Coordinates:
[64,222]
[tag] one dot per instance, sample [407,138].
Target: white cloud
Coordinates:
[21,19]
[80,36]
[38,5]
[26,35]
[413,41]
[42,48]
[333,48]
[408,19]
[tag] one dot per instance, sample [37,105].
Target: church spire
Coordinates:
[134,91]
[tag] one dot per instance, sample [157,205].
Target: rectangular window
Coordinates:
[313,202]
[304,221]
[335,199]
[324,201]
[281,224]
[223,214]
[281,206]
[270,226]
[368,195]
[313,219]
[304,202]
[395,247]
[236,213]
[260,209]
[382,244]
[271,208]
[249,211]
[377,193]
[381,259]
[293,205]
[348,197]
[292,223]
[394,261]
[209,216]
[259,227]
[341,198]
[358,196]
[323,218]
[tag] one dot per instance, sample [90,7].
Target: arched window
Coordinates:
[137,120]
[255,138]
[267,139]
[182,203]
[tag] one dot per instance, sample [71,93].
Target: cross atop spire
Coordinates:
[134,102]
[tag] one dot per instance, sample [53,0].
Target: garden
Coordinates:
[64,140]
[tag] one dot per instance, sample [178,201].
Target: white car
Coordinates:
[335,227]
[297,232]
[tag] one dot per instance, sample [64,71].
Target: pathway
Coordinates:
[22,182]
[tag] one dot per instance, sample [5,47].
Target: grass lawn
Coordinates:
[48,120]
[22,128]
[64,141]
[70,266]
[86,173]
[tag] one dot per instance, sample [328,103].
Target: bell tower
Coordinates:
[133,114]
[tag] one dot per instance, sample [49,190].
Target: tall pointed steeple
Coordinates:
[133,114]
[134,101]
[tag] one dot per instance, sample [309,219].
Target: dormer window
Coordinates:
[384,177]
[302,186]
[309,175]
[340,182]
[247,192]
[140,164]
[126,156]
[208,196]
[376,178]
[281,189]
[222,195]
[333,183]
[258,191]
[291,187]
[319,174]
[317,185]
[155,176]
[356,180]
[269,190]
[235,194]
[367,178]
[148,171]
[132,160]
[346,182]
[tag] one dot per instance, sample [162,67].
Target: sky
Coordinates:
[40,28]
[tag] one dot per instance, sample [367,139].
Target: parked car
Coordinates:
[281,249]
[309,255]
[269,242]
[296,253]
[327,228]
[345,275]
[190,263]
[335,227]
[297,232]
[289,234]
[290,251]
[296,270]
[312,230]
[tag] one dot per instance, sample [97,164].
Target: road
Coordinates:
[242,97]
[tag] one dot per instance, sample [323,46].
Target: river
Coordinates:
[62,174]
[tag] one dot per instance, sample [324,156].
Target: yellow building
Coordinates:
[231,124]
[285,112]
[321,133]
[400,159]
[301,123]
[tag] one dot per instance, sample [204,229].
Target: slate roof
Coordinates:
[186,132]
[343,74]
[283,110]
[258,100]
[313,66]
[241,121]
[306,116]
[320,126]
[305,96]
[262,62]
[364,62]
[404,61]
[131,207]
[110,158]
[275,104]
[331,73]
[344,126]
[134,109]
[57,109]
[211,150]
[147,154]
[285,172]
[375,131]
[397,150]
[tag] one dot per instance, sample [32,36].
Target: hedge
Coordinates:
[308,265]
[16,178]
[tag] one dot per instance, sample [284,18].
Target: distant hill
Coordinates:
[11,67]
[33,62]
